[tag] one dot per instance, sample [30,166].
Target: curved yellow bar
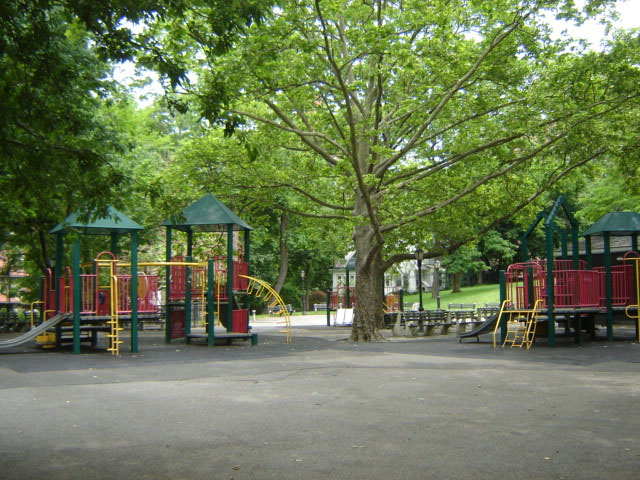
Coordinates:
[265,291]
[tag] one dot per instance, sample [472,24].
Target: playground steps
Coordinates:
[521,329]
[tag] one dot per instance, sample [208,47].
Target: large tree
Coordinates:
[61,146]
[431,121]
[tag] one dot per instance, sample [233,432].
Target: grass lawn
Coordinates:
[479,295]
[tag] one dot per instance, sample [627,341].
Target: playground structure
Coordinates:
[570,289]
[83,300]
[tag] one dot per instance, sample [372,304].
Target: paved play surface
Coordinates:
[322,408]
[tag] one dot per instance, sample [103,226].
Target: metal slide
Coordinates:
[486,327]
[31,334]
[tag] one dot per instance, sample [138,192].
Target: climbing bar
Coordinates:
[269,292]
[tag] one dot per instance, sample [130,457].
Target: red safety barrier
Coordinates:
[574,289]
[147,293]
[622,283]
[524,282]
[178,280]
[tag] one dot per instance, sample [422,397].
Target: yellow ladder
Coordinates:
[521,325]
[114,321]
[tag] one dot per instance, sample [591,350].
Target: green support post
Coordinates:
[167,310]
[608,285]
[57,270]
[247,253]
[401,299]
[134,291]
[587,248]
[575,248]
[187,303]
[328,308]
[348,299]
[634,242]
[211,338]
[76,296]
[550,285]
[563,243]
[187,285]
[230,278]
[503,297]
[114,243]
[530,291]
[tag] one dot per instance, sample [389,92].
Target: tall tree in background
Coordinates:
[60,148]
[426,119]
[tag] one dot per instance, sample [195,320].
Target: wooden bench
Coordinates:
[319,306]
[426,322]
[277,310]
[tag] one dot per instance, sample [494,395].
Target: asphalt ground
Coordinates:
[322,407]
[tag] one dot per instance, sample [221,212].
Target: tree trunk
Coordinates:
[368,317]
[284,253]
[457,281]
[480,277]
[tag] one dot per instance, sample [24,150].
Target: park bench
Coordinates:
[277,310]
[486,312]
[462,315]
[426,322]
[319,306]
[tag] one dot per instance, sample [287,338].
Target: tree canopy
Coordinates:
[424,123]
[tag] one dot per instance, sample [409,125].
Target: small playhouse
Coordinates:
[104,294]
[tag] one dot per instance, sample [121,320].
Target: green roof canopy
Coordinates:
[114,222]
[207,215]
[616,223]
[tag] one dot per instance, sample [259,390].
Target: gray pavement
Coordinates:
[322,407]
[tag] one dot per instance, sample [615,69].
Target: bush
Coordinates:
[317,296]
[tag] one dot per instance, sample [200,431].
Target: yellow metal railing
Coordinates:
[33,304]
[627,310]
[260,289]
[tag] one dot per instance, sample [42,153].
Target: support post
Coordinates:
[57,270]
[587,251]
[348,292]
[187,302]
[247,257]
[608,290]
[230,278]
[134,291]
[503,297]
[211,339]
[167,309]
[114,243]
[550,285]
[328,308]
[76,295]
[187,289]
[575,247]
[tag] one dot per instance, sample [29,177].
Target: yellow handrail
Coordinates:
[637,305]
[269,294]
[31,311]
